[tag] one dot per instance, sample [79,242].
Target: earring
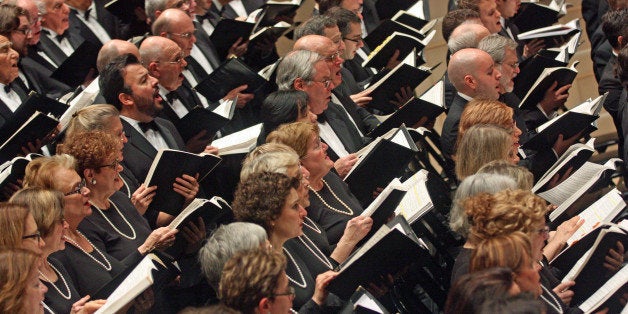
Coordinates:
[93,181]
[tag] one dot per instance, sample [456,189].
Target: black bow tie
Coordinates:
[7,88]
[60,37]
[87,12]
[171,96]
[145,126]
[201,18]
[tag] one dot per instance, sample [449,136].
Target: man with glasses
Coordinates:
[31,75]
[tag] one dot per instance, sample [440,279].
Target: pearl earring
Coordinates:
[93,181]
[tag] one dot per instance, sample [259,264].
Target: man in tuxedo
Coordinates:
[96,24]
[241,8]
[508,9]
[9,98]
[615,27]
[32,75]
[175,25]
[205,17]
[473,74]
[59,40]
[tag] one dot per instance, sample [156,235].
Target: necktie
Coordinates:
[145,126]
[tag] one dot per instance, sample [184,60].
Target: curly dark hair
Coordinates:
[91,149]
[260,198]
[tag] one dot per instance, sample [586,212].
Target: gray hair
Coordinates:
[225,242]
[91,118]
[152,6]
[466,35]
[496,45]
[314,26]
[297,64]
[41,6]
[470,186]
[270,157]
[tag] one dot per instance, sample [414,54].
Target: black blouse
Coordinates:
[333,219]
[53,298]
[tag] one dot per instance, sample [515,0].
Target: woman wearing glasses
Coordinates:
[332,204]
[46,206]
[19,229]
[126,231]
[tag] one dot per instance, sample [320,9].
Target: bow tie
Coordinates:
[172,96]
[60,37]
[145,126]
[87,12]
[205,16]
[7,88]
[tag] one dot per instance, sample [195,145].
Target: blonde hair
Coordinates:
[250,276]
[17,266]
[45,205]
[91,118]
[480,145]
[504,212]
[12,223]
[40,172]
[485,111]
[296,135]
[512,250]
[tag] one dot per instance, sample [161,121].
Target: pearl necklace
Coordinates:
[316,251]
[65,283]
[106,265]
[47,308]
[555,305]
[312,225]
[348,213]
[302,285]
[132,236]
[126,186]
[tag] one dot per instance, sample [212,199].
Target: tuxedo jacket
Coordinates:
[5,113]
[249,6]
[52,51]
[369,14]
[611,84]
[365,120]
[206,46]
[513,101]
[39,79]
[601,52]
[108,21]
[449,133]
[534,118]
[343,128]
[360,74]
[139,153]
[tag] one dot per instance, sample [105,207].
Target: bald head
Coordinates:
[112,49]
[472,73]
[466,35]
[317,43]
[153,47]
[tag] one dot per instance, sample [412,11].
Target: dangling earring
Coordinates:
[93,181]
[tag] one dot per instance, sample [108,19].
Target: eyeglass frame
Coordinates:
[186,35]
[114,165]
[357,41]
[78,189]
[335,56]
[26,31]
[36,236]
[179,61]
[326,82]
[290,293]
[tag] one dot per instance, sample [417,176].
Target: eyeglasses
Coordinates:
[544,232]
[326,82]
[35,19]
[290,293]
[186,35]
[333,57]
[113,165]
[178,60]
[513,65]
[78,188]
[36,236]
[357,40]
[25,31]
[180,4]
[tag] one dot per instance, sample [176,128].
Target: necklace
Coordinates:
[555,305]
[302,285]
[349,211]
[106,265]
[132,236]
[65,283]
[126,186]
[47,308]
[315,250]
[312,225]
